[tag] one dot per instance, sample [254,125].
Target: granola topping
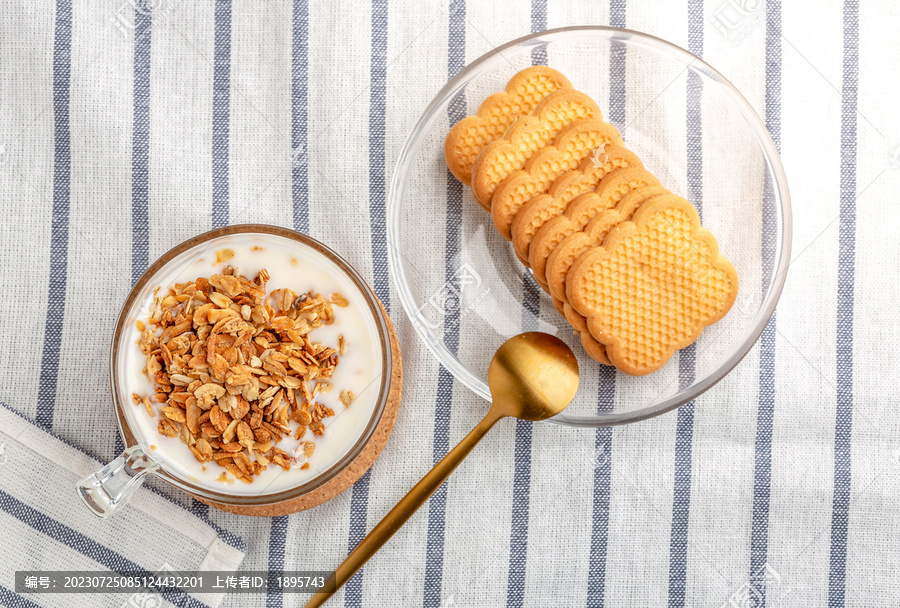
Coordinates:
[248,359]
[234,365]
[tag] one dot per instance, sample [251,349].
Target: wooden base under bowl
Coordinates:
[355,469]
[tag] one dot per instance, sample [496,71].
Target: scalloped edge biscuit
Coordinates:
[673,280]
[544,207]
[600,226]
[522,94]
[594,349]
[525,137]
[581,209]
[594,235]
[577,140]
[561,259]
[574,317]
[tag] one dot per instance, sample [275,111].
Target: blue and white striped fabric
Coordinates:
[129,126]
[45,526]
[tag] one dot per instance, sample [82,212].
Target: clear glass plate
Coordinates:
[460,282]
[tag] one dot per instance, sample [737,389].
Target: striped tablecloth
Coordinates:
[127,127]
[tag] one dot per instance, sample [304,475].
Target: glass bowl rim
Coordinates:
[773,161]
[380,404]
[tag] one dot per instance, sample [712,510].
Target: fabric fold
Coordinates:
[48,528]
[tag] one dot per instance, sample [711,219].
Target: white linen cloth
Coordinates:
[127,127]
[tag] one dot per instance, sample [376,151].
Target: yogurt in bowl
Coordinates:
[326,406]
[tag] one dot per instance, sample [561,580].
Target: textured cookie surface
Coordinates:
[525,137]
[469,136]
[581,210]
[653,286]
[575,142]
[585,178]
[574,245]
[571,247]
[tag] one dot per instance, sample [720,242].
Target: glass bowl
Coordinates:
[104,491]
[460,282]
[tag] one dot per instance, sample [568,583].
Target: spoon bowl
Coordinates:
[533,376]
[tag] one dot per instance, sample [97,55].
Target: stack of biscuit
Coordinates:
[625,261]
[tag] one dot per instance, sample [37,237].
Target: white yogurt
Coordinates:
[293,266]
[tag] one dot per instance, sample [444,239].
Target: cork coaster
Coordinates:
[355,469]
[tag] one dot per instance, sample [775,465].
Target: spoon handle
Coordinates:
[403,510]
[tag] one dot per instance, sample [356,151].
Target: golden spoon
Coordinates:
[532,376]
